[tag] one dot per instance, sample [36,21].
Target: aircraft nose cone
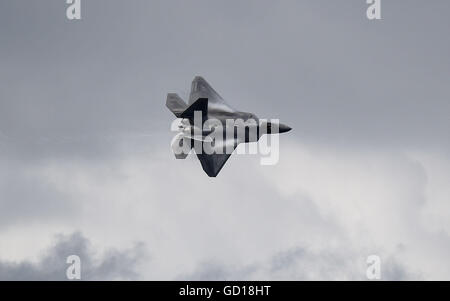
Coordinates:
[284,128]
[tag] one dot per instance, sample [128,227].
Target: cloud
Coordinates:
[302,265]
[26,196]
[319,214]
[111,265]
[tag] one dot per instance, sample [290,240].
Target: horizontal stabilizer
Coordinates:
[175,104]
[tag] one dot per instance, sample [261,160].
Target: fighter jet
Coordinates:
[206,103]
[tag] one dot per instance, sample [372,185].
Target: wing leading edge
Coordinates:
[202,89]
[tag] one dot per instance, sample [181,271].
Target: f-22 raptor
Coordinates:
[206,103]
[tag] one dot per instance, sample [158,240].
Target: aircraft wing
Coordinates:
[201,89]
[212,164]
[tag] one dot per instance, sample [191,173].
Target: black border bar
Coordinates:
[225,290]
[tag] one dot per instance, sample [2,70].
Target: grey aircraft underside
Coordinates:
[205,100]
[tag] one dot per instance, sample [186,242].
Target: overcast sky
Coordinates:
[86,166]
